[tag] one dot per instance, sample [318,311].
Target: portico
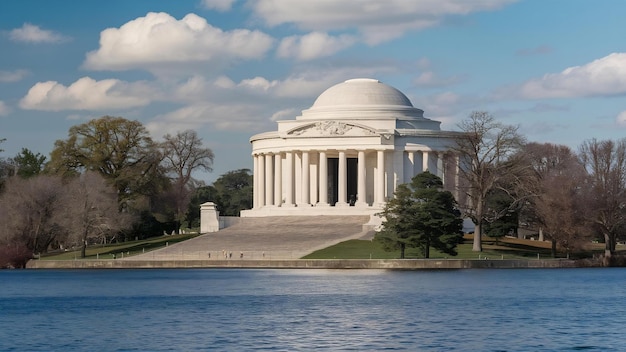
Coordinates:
[347,153]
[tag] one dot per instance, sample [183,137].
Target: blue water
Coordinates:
[313,310]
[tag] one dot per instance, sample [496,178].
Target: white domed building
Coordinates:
[347,153]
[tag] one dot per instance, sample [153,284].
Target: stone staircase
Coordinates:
[279,237]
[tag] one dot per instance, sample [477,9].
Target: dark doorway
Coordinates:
[333,180]
[333,184]
[352,180]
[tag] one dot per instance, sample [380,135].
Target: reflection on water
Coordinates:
[305,310]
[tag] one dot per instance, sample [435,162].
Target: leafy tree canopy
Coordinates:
[29,164]
[119,149]
[231,193]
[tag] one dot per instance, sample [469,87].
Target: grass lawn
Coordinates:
[121,249]
[506,249]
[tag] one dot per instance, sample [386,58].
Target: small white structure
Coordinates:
[209,218]
[347,153]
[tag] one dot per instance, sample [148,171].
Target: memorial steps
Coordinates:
[281,237]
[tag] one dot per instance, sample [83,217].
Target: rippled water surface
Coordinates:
[313,310]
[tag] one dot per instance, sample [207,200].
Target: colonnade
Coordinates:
[301,178]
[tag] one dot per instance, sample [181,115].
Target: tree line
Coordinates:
[506,184]
[108,181]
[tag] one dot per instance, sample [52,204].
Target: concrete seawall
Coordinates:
[399,264]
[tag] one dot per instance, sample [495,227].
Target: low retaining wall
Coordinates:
[400,264]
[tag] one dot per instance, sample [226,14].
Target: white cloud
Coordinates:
[304,85]
[377,20]
[85,94]
[219,5]
[251,103]
[205,114]
[621,119]
[158,39]
[13,76]
[285,114]
[313,45]
[4,109]
[601,77]
[257,83]
[30,33]
[224,82]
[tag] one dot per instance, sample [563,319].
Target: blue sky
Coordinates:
[231,68]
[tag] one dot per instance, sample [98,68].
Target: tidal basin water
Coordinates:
[313,310]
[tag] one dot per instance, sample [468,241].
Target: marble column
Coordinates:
[361,180]
[269,179]
[289,179]
[278,179]
[440,167]
[411,167]
[297,178]
[398,168]
[313,178]
[255,181]
[306,175]
[343,180]
[380,178]
[425,161]
[261,180]
[323,179]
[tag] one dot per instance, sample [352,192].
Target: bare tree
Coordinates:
[5,167]
[558,205]
[488,153]
[91,210]
[29,212]
[605,163]
[183,155]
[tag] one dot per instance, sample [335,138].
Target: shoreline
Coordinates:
[399,264]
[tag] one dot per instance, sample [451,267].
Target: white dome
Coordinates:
[361,91]
[362,98]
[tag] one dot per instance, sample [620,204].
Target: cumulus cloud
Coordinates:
[219,5]
[285,114]
[304,85]
[602,77]
[218,116]
[13,76]
[4,109]
[377,20]
[621,119]
[30,33]
[160,39]
[85,94]
[252,103]
[313,45]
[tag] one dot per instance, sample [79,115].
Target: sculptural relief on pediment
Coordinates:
[331,128]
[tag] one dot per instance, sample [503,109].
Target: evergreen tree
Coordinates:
[422,215]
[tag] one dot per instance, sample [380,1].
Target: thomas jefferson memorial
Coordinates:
[347,153]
